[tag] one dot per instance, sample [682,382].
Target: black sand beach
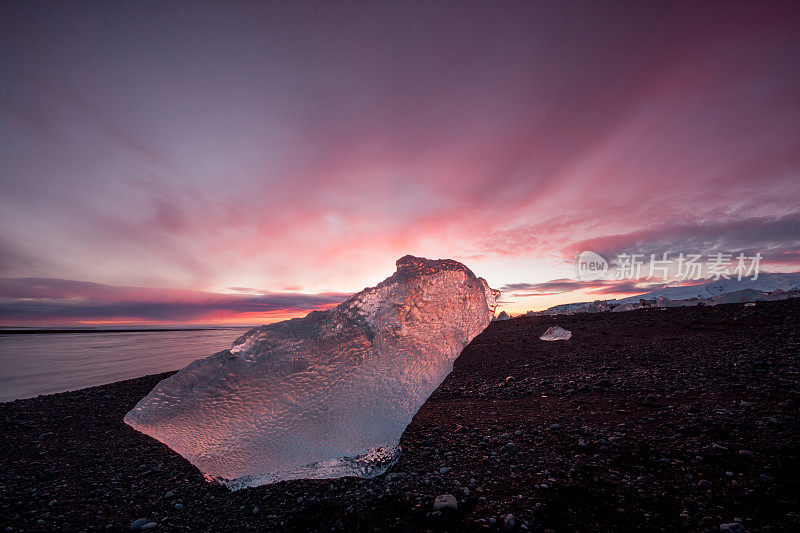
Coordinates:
[682,419]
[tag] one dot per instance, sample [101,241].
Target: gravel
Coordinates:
[697,432]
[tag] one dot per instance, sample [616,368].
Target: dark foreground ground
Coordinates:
[676,420]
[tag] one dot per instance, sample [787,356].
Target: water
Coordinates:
[44,363]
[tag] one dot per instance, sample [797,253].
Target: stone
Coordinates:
[509,523]
[137,524]
[733,527]
[445,502]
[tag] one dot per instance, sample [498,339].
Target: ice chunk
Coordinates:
[631,306]
[556,333]
[326,395]
[502,316]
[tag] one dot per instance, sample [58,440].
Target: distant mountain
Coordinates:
[766,282]
[768,286]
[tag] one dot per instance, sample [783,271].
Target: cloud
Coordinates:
[773,236]
[560,286]
[43,301]
[555,286]
[261,147]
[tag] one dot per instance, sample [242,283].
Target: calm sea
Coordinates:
[44,363]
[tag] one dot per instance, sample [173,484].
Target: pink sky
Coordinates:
[182,162]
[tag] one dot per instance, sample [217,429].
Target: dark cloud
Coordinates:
[41,300]
[249,289]
[555,286]
[560,286]
[774,237]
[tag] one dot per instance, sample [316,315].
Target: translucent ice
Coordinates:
[556,333]
[326,395]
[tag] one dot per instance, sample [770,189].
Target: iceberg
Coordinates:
[326,395]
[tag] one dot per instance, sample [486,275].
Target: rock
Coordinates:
[445,502]
[149,525]
[137,524]
[178,506]
[393,476]
[509,523]
[733,527]
[169,495]
[556,333]
[704,484]
[444,470]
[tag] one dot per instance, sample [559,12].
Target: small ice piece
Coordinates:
[556,333]
[327,395]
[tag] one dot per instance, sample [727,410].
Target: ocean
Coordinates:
[44,362]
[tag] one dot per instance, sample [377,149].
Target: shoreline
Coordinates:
[634,423]
[72,331]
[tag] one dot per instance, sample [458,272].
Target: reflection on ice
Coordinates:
[326,395]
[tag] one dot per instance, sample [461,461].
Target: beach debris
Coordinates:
[327,395]
[556,333]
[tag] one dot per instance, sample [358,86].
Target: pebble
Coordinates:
[509,523]
[445,501]
[149,525]
[733,527]
[137,524]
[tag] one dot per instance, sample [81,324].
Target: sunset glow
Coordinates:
[247,166]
